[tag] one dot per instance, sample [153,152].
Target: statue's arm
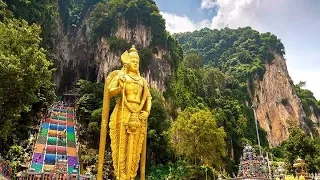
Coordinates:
[148,103]
[115,88]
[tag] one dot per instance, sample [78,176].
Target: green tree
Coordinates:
[91,95]
[25,74]
[299,144]
[193,60]
[15,157]
[301,84]
[43,13]
[196,136]
[158,151]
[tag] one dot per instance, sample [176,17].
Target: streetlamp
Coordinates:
[254,107]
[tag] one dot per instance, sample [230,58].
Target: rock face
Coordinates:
[277,102]
[73,55]
[78,57]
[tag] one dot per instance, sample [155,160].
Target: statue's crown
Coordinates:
[133,53]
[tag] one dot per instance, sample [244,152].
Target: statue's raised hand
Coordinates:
[122,80]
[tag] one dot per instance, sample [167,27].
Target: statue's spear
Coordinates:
[103,134]
[143,155]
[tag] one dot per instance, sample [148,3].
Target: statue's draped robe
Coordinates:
[118,115]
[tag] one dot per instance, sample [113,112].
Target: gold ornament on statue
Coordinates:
[128,121]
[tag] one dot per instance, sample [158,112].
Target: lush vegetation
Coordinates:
[47,13]
[239,52]
[43,13]
[107,16]
[181,170]
[299,145]
[310,106]
[26,88]
[72,12]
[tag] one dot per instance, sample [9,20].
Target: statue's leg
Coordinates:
[119,150]
[122,154]
[119,147]
[138,139]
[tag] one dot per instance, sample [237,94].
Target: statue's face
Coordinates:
[134,65]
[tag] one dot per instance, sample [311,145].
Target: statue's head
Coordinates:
[131,60]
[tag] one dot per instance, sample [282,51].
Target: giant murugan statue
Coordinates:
[128,121]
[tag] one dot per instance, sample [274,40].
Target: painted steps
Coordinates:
[56,143]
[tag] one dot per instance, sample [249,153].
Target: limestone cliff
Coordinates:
[77,56]
[277,102]
[73,55]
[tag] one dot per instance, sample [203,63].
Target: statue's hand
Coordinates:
[143,115]
[122,79]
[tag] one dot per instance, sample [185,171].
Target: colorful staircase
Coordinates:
[56,143]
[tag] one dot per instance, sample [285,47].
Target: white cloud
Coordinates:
[234,13]
[206,4]
[295,22]
[175,23]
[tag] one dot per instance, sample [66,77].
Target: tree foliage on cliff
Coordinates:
[310,106]
[309,102]
[72,12]
[239,52]
[43,13]
[46,14]
[109,15]
[25,78]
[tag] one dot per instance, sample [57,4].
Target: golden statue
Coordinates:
[128,121]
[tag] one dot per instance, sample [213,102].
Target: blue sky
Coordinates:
[295,22]
[189,8]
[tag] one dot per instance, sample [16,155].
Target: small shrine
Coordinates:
[301,169]
[251,165]
[280,171]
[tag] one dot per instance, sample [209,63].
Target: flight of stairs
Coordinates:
[56,142]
